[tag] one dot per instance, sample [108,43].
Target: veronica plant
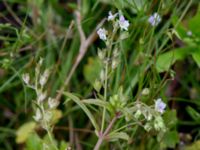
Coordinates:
[44,105]
[117,107]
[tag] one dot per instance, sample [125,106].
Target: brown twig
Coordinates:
[85,43]
[106,132]
[73,129]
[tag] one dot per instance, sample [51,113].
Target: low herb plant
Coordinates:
[99,79]
[117,112]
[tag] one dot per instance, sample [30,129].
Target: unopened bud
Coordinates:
[26,78]
[53,103]
[38,115]
[137,114]
[41,96]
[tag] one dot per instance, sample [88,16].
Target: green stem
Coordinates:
[103,135]
[106,78]
[105,97]
[51,139]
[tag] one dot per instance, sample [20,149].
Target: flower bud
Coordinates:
[97,85]
[26,78]
[145,91]
[53,103]
[41,96]
[38,115]
[147,127]
[137,114]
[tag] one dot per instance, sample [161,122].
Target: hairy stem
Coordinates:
[102,136]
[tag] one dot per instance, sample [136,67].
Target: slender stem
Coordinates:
[51,139]
[106,77]
[102,136]
[105,97]
[98,144]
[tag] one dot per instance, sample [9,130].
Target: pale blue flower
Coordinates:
[102,33]
[189,33]
[154,19]
[111,16]
[123,23]
[160,105]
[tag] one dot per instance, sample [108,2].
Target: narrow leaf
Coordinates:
[96,102]
[83,107]
[118,135]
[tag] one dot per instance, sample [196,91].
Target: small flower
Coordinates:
[123,23]
[52,102]
[147,127]
[189,33]
[26,78]
[40,61]
[102,75]
[115,62]
[102,33]
[38,115]
[149,117]
[41,96]
[101,54]
[154,19]
[44,77]
[111,17]
[48,116]
[145,91]
[138,114]
[160,105]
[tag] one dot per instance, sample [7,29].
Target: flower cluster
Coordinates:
[152,116]
[121,22]
[109,56]
[45,105]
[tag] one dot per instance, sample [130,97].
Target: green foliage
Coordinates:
[92,70]
[113,108]
[170,139]
[84,108]
[25,131]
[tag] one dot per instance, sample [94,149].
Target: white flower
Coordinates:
[41,96]
[40,61]
[102,33]
[26,78]
[154,19]
[38,115]
[48,116]
[145,91]
[189,33]
[44,77]
[52,102]
[160,105]
[123,23]
[111,17]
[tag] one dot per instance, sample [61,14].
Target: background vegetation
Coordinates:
[165,59]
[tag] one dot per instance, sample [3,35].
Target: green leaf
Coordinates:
[170,139]
[170,118]
[96,102]
[84,108]
[34,142]
[24,132]
[193,114]
[118,135]
[196,57]
[63,145]
[166,60]
[92,69]
[194,22]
